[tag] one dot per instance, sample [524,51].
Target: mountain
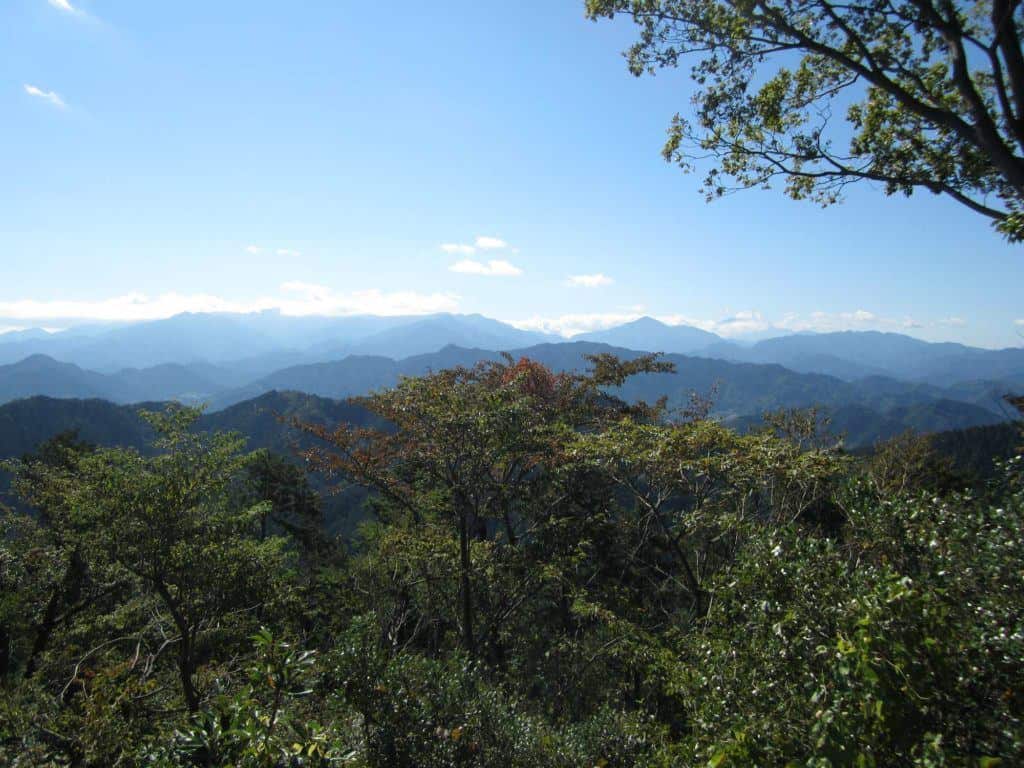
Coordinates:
[862,426]
[809,362]
[26,334]
[183,339]
[988,394]
[976,451]
[180,339]
[169,381]
[651,335]
[264,421]
[741,392]
[1004,365]
[24,424]
[241,348]
[353,375]
[439,331]
[743,387]
[886,351]
[855,354]
[42,375]
[260,342]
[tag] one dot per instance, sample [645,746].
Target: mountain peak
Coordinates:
[652,335]
[40,361]
[645,321]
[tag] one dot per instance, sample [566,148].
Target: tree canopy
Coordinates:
[547,576]
[914,94]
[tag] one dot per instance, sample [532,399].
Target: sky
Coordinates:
[335,157]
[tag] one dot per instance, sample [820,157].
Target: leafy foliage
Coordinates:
[933,95]
[548,576]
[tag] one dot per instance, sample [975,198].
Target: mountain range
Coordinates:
[260,342]
[866,410]
[250,345]
[873,384]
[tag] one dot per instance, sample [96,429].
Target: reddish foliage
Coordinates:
[532,378]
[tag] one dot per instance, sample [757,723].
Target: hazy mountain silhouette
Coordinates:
[652,335]
[260,342]
[42,375]
[854,354]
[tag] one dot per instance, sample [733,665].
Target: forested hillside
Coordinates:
[263,423]
[547,575]
[867,409]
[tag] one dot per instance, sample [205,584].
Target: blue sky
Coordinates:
[318,156]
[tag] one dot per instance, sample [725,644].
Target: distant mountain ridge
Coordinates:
[873,382]
[262,341]
[652,335]
[42,375]
[244,347]
[741,392]
[856,354]
[263,421]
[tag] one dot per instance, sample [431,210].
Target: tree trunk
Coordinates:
[465,585]
[186,664]
[691,578]
[5,651]
[65,592]
[509,530]
[185,670]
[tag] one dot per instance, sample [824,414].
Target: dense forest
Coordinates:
[545,575]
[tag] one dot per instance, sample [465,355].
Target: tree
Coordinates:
[892,644]
[294,506]
[263,725]
[60,584]
[475,448]
[697,484]
[172,522]
[463,446]
[933,93]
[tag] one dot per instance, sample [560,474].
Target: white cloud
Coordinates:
[738,324]
[458,248]
[828,322]
[956,322]
[481,243]
[287,252]
[574,324]
[296,298]
[312,299]
[1019,322]
[50,96]
[255,250]
[64,5]
[494,268]
[589,281]
[490,243]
